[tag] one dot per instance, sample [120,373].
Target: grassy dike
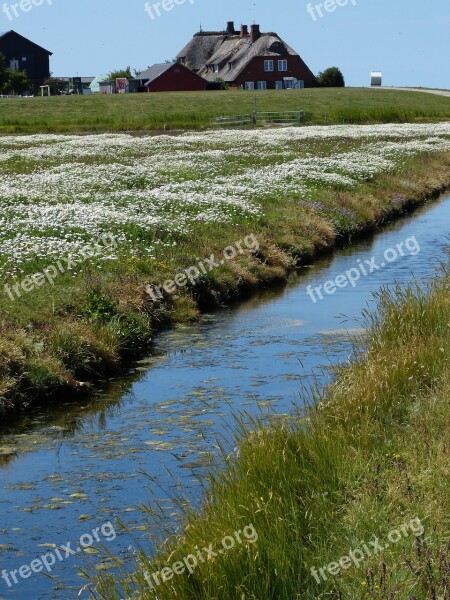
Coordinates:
[61,340]
[194,110]
[368,459]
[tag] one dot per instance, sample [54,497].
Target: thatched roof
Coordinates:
[200,49]
[230,52]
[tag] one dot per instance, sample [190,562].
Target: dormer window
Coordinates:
[278,47]
[216,68]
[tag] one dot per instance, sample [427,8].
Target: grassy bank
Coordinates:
[357,485]
[168,202]
[194,110]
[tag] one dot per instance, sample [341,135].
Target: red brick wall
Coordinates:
[178,79]
[255,71]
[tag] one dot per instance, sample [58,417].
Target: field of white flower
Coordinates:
[59,193]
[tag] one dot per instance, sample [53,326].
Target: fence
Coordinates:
[234,121]
[291,118]
[14,97]
[260,118]
[281,118]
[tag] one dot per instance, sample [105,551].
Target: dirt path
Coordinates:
[425,91]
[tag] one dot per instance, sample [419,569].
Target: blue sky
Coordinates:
[408,40]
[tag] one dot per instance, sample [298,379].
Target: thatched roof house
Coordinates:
[250,59]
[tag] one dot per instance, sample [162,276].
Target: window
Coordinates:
[249,85]
[14,64]
[278,85]
[262,85]
[282,65]
[268,66]
[216,68]
[24,59]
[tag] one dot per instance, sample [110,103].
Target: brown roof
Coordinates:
[230,52]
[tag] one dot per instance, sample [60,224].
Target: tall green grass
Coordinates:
[367,457]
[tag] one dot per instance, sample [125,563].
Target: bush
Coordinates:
[15,82]
[99,308]
[331,77]
[223,85]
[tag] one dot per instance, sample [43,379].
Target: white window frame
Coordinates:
[268,66]
[216,68]
[262,85]
[281,64]
[279,85]
[249,85]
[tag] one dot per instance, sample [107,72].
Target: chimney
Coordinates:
[244,30]
[230,27]
[255,34]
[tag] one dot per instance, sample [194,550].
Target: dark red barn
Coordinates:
[171,77]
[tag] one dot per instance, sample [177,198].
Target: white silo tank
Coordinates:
[376,78]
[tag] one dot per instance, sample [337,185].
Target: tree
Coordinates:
[4,75]
[15,82]
[57,86]
[331,77]
[18,81]
[120,74]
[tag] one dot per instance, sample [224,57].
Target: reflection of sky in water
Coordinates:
[77,467]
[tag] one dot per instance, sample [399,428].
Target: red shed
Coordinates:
[171,77]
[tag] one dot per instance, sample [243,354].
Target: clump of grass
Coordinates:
[26,369]
[368,455]
[82,350]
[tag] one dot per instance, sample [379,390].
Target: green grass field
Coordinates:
[191,110]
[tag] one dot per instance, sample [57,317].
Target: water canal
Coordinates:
[65,471]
